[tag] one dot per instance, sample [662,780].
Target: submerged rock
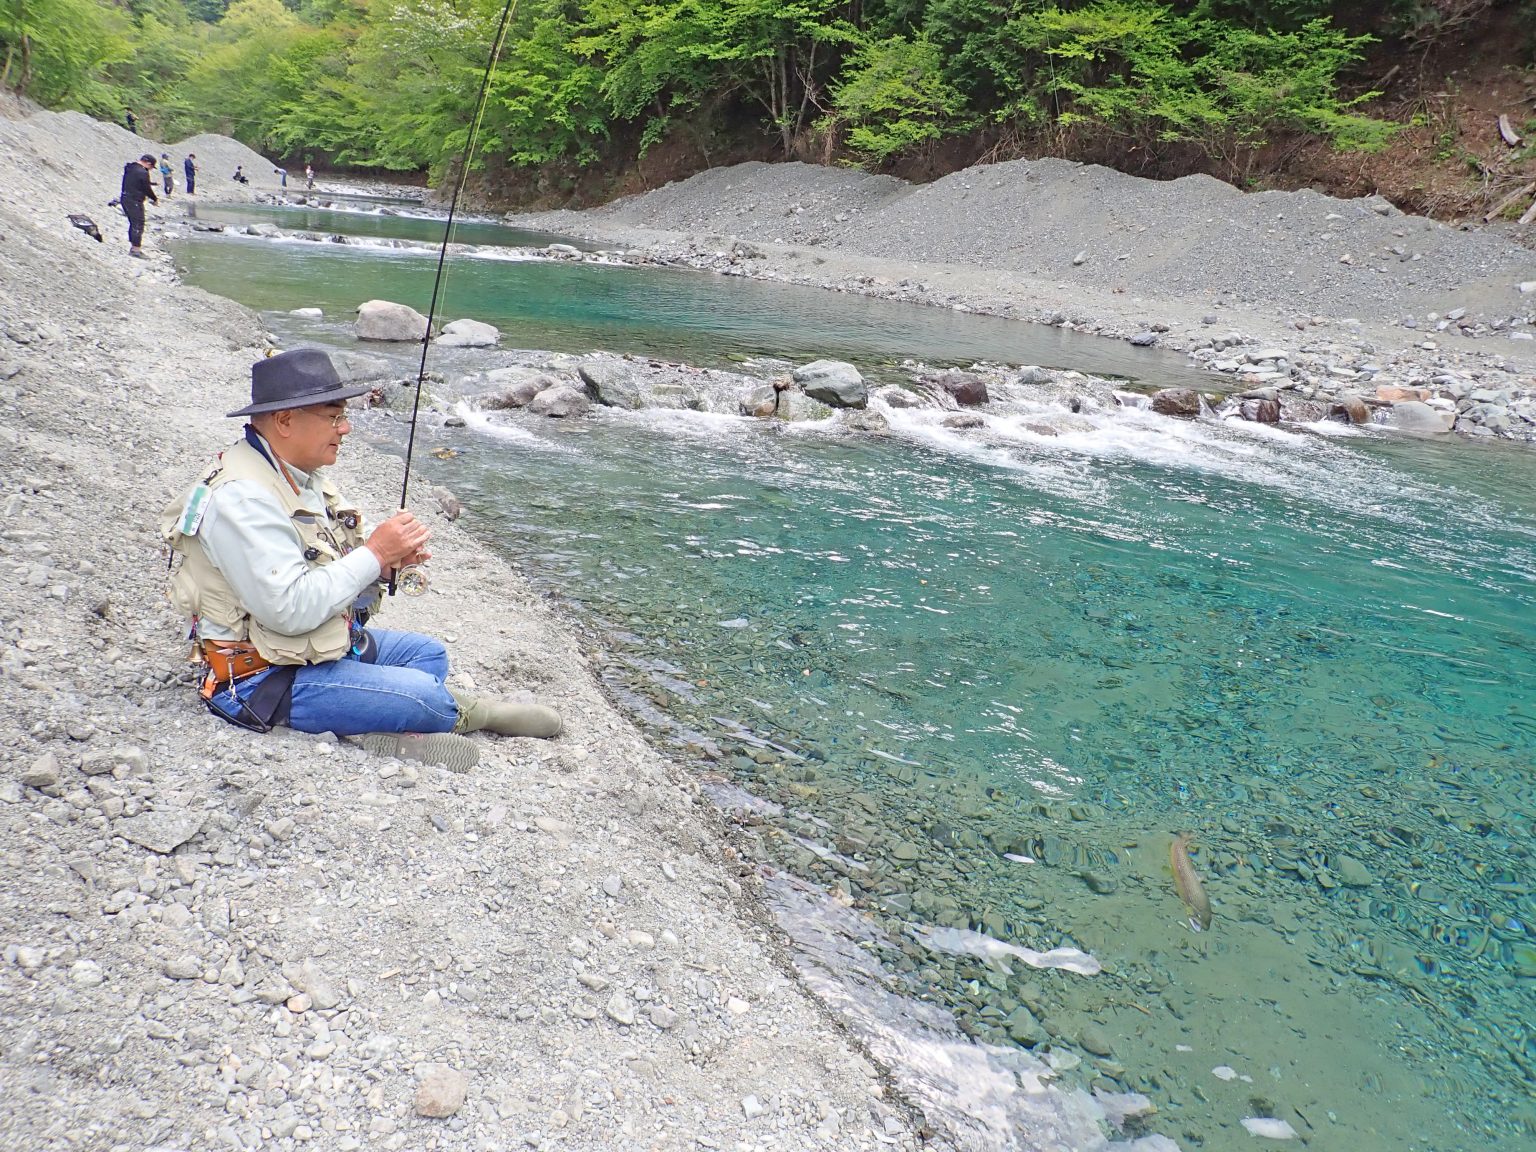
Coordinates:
[561,401]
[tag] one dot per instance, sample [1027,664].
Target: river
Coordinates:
[979,684]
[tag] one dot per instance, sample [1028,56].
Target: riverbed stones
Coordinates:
[468,334]
[384,320]
[560,402]
[441,1093]
[511,388]
[794,405]
[613,384]
[1181,402]
[1413,416]
[1351,408]
[162,831]
[1093,1038]
[835,383]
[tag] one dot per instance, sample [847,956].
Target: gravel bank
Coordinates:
[1355,295]
[215,940]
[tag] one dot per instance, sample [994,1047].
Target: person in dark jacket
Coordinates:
[189,169]
[131,120]
[136,189]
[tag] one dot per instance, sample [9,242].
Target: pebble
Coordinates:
[42,772]
[441,1092]
[621,1008]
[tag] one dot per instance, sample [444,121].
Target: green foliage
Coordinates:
[393,83]
[56,51]
[895,97]
[1135,70]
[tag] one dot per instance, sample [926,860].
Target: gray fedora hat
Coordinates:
[298,378]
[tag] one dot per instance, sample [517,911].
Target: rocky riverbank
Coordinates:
[210,939]
[1308,303]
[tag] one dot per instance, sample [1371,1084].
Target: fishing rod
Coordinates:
[412,579]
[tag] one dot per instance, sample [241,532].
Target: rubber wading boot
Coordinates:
[506,718]
[442,749]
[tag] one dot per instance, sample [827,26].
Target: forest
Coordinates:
[600,84]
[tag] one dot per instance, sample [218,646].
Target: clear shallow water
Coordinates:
[1317,657]
[694,317]
[980,684]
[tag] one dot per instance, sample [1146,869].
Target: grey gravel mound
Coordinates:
[1194,238]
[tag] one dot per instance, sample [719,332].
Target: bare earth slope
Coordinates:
[211,939]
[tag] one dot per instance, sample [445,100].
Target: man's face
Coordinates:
[309,438]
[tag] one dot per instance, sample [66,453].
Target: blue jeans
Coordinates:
[400,691]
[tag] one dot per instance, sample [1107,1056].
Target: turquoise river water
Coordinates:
[979,685]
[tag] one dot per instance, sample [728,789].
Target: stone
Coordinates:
[1351,408]
[163,830]
[1144,339]
[866,420]
[662,1016]
[86,974]
[1397,393]
[468,334]
[1413,416]
[312,980]
[795,405]
[510,388]
[307,313]
[560,402]
[1094,1039]
[751,1107]
[1260,411]
[613,384]
[441,1092]
[620,1008]
[965,388]
[387,321]
[965,420]
[1182,402]
[185,967]
[42,772]
[835,383]
[760,401]
[1352,873]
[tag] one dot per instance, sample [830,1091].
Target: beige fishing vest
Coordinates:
[199,590]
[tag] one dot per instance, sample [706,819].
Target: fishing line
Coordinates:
[442,253]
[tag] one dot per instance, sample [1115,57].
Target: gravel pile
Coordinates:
[1194,237]
[211,939]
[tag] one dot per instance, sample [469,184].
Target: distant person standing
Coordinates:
[165,172]
[309,177]
[131,120]
[137,187]
[282,176]
[189,170]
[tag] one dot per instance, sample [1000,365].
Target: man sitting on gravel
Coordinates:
[279,581]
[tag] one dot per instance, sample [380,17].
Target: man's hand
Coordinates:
[401,539]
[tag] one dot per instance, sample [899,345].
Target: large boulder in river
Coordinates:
[1415,416]
[614,383]
[1351,408]
[386,320]
[795,405]
[354,366]
[761,401]
[833,382]
[966,389]
[468,334]
[1177,402]
[560,401]
[510,388]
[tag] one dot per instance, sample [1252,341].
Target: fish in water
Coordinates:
[1186,881]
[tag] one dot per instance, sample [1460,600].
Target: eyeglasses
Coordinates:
[336,420]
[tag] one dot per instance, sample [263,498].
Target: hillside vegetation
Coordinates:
[593,97]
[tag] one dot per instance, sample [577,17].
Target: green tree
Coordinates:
[895,97]
[56,50]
